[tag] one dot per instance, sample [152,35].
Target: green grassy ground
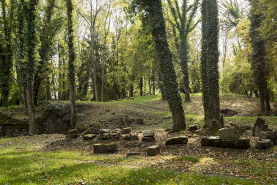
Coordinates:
[24,161]
[28,166]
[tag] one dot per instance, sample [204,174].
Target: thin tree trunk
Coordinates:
[141,86]
[131,91]
[31,109]
[102,83]
[71,62]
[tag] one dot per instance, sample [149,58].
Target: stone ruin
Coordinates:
[228,138]
[267,137]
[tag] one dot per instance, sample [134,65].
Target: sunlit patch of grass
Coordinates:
[187,158]
[27,168]
[207,161]
[245,162]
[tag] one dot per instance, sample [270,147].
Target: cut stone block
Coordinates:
[193,128]
[259,126]
[73,131]
[117,130]
[113,136]
[133,153]
[153,150]
[241,143]
[134,137]
[102,131]
[72,136]
[105,148]
[264,144]
[272,136]
[148,133]
[91,130]
[148,139]
[88,137]
[228,133]
[177,140]
[127,130]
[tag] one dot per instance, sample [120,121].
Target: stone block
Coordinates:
[193,128]
[105,148]
[153,150]
[102,131]
[176,140]
[148,133]
[127,130]
[73,131]
[228,133]
[72,136]
[259,126]
[148,139]
[272,136]
[89,137]
[264,144]
[133,154]
[242,143]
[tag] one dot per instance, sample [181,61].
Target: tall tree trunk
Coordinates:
[131,90]
[154,7]
[31,109]
[31,45]
[60,78]
[184,64]
[71,62]
[7,63]
[258,62]
[267,99]
[102,82]
[150,87]
[209,67]
[46,40]
[154,83]
[95,82]
[141,86]
[161,86]
[48,90]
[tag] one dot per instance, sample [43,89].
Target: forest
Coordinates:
[138,91]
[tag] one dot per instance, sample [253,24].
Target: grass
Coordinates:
[28,165]
[66,168]
[23,162]
[187,158]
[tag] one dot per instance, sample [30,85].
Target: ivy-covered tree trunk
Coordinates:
[7,63]
[209,66]
[71,61]
[46,40]
[31,58]
[20,74]
[258,61]
[154,7]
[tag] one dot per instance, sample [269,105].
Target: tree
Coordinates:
[209,66]
[258,62]
[46,37]
[71,61]
[183,22]
[7,62]
[154,8]
[31,57]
